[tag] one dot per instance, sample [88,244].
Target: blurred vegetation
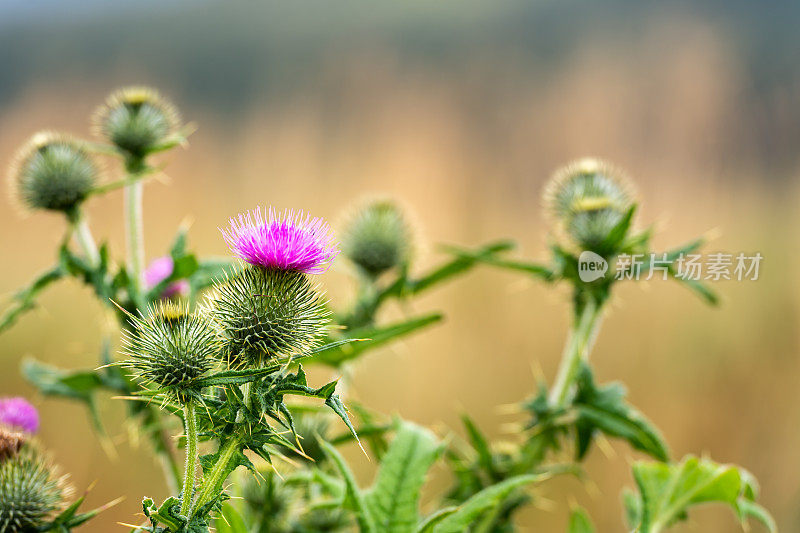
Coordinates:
[462,109]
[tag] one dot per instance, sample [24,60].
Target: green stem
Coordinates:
[576,351]
[216,476]
[189,474]
[83,236]
[134,231]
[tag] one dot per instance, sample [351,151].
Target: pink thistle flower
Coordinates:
[160,269]
[287,241]
[19,414]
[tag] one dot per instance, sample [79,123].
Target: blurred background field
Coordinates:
[462,110]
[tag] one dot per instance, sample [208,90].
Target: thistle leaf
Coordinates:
[668,491]
[25,299]
[605,409]
[471,510]
[394,497]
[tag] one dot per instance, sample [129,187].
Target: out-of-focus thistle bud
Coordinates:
[170,348]
[311,429]
[137,120]
[588,198]
[52,171]
[378,237]
[30,492]
[271,309]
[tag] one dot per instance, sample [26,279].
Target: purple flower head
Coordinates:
[19,414]
[160,269]
[287,241]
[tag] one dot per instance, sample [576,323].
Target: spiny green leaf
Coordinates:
[667,491]
[490,497]
[394,498]
[605,409]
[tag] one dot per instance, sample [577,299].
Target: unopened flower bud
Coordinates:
[53,172]
[137,120]
[377,238]
[588,198]
[170,347]
[30,492]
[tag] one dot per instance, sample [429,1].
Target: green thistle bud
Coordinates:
[137,120]
[588,198]
[30,493]
[171,347]
[266,313]
[378,237]
[54,172]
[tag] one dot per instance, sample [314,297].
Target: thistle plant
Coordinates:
[213,351]
[33,496]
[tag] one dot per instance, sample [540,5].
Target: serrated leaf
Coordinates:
[394,497]
[605,409]
[490,497]
[668,491]
[427,525]
[579,522]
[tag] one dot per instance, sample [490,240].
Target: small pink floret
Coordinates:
[160,269]
[287,241]
[19,414]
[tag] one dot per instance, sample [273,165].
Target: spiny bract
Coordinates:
[53,171]
[268,313]
[171,347]
[588,198]
[29,492]
[377,237]
[137,120]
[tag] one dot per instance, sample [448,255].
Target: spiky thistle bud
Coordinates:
[271,309]
[170,348]
[137,120]
[588,198]
[52,171]
[265,314]
[377,237]
[30,492]
[19,414]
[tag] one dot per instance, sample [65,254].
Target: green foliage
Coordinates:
[605,409]
[668,491]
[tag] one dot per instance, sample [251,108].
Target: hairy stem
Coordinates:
[587,323]
[134,231]
[83,236]
[189,474]
[216,476]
